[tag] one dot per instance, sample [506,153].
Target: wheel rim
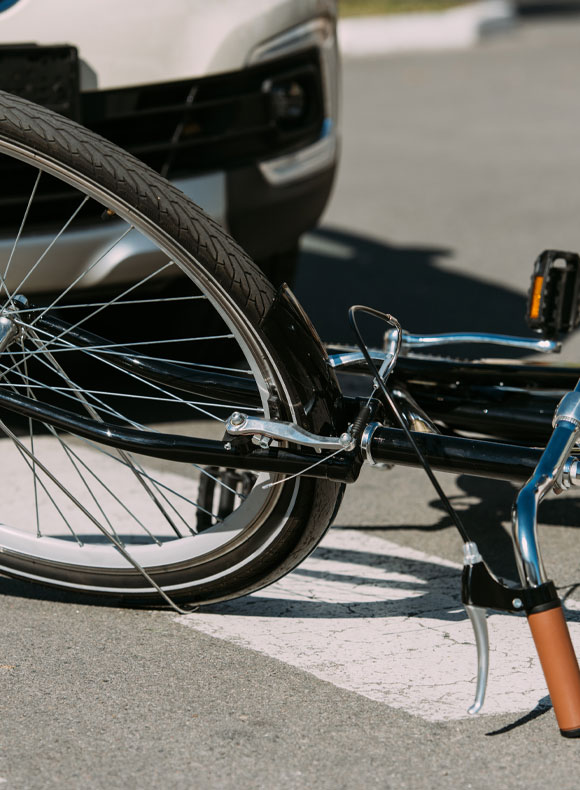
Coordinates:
[72,547]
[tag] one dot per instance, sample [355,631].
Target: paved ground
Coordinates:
[457,170]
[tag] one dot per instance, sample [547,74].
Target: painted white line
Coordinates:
[455,28]
[385,622]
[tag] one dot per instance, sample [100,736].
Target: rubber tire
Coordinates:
[28,128]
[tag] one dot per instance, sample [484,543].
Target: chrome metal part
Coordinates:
[346,358]
[476,614]
[366,441]
[410,341]
[286,432]
[569,476]
[261,441]
[478,620]
[9,331]
[546,476]
[416,418]
[385,359]
[568,409]
[392,351]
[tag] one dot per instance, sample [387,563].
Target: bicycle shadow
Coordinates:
[339,268]
[429,590]
[485,508]
[428,587]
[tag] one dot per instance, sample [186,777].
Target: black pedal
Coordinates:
[553,299]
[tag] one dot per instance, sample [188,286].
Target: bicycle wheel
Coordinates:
[95,242]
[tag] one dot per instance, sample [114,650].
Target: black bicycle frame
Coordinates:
[494,399]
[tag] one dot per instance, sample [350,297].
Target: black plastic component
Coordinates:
[571,733]
[313,388]
[47,75]
[223,121]
[553,298]
[479,587]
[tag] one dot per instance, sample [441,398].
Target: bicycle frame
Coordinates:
[495,399]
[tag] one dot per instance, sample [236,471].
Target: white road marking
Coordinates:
[386,622]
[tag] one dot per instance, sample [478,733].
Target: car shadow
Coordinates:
[339,268]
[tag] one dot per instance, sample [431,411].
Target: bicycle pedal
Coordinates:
[553,299]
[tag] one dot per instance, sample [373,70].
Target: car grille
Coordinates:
[185,128]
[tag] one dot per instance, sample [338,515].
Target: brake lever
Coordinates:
[477,615]
[478,618]
[481,591]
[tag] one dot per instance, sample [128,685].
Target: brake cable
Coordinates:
[380,383]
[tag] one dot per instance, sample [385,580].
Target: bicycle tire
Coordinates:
[264,535]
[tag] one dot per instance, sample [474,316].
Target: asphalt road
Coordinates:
[457,170]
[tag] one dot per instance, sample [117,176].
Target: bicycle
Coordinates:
[245,480]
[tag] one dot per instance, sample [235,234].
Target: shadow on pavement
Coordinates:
[414,588]
[339,268]
[483,506]
[543,706]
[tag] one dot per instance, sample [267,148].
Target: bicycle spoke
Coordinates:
[46,344]
[113,412]
[110,537]
[36,383]
[100,309]
[149,477]
[19,234]
[52,243]
[131,396]
[48,494]
[76,306]
[83,274]
[128,458]
[37,480]
[31,432]
[107,346]
[196,505]
[72,455]
[163,496]
[75,391]
[107,349]
[172,397]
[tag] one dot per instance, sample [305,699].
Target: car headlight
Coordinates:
[319,32]
[289,98]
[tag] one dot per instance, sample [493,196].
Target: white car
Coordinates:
[234,101]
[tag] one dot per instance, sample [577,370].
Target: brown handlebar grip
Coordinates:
[560,665]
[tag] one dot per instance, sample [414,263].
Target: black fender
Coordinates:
[312,386]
